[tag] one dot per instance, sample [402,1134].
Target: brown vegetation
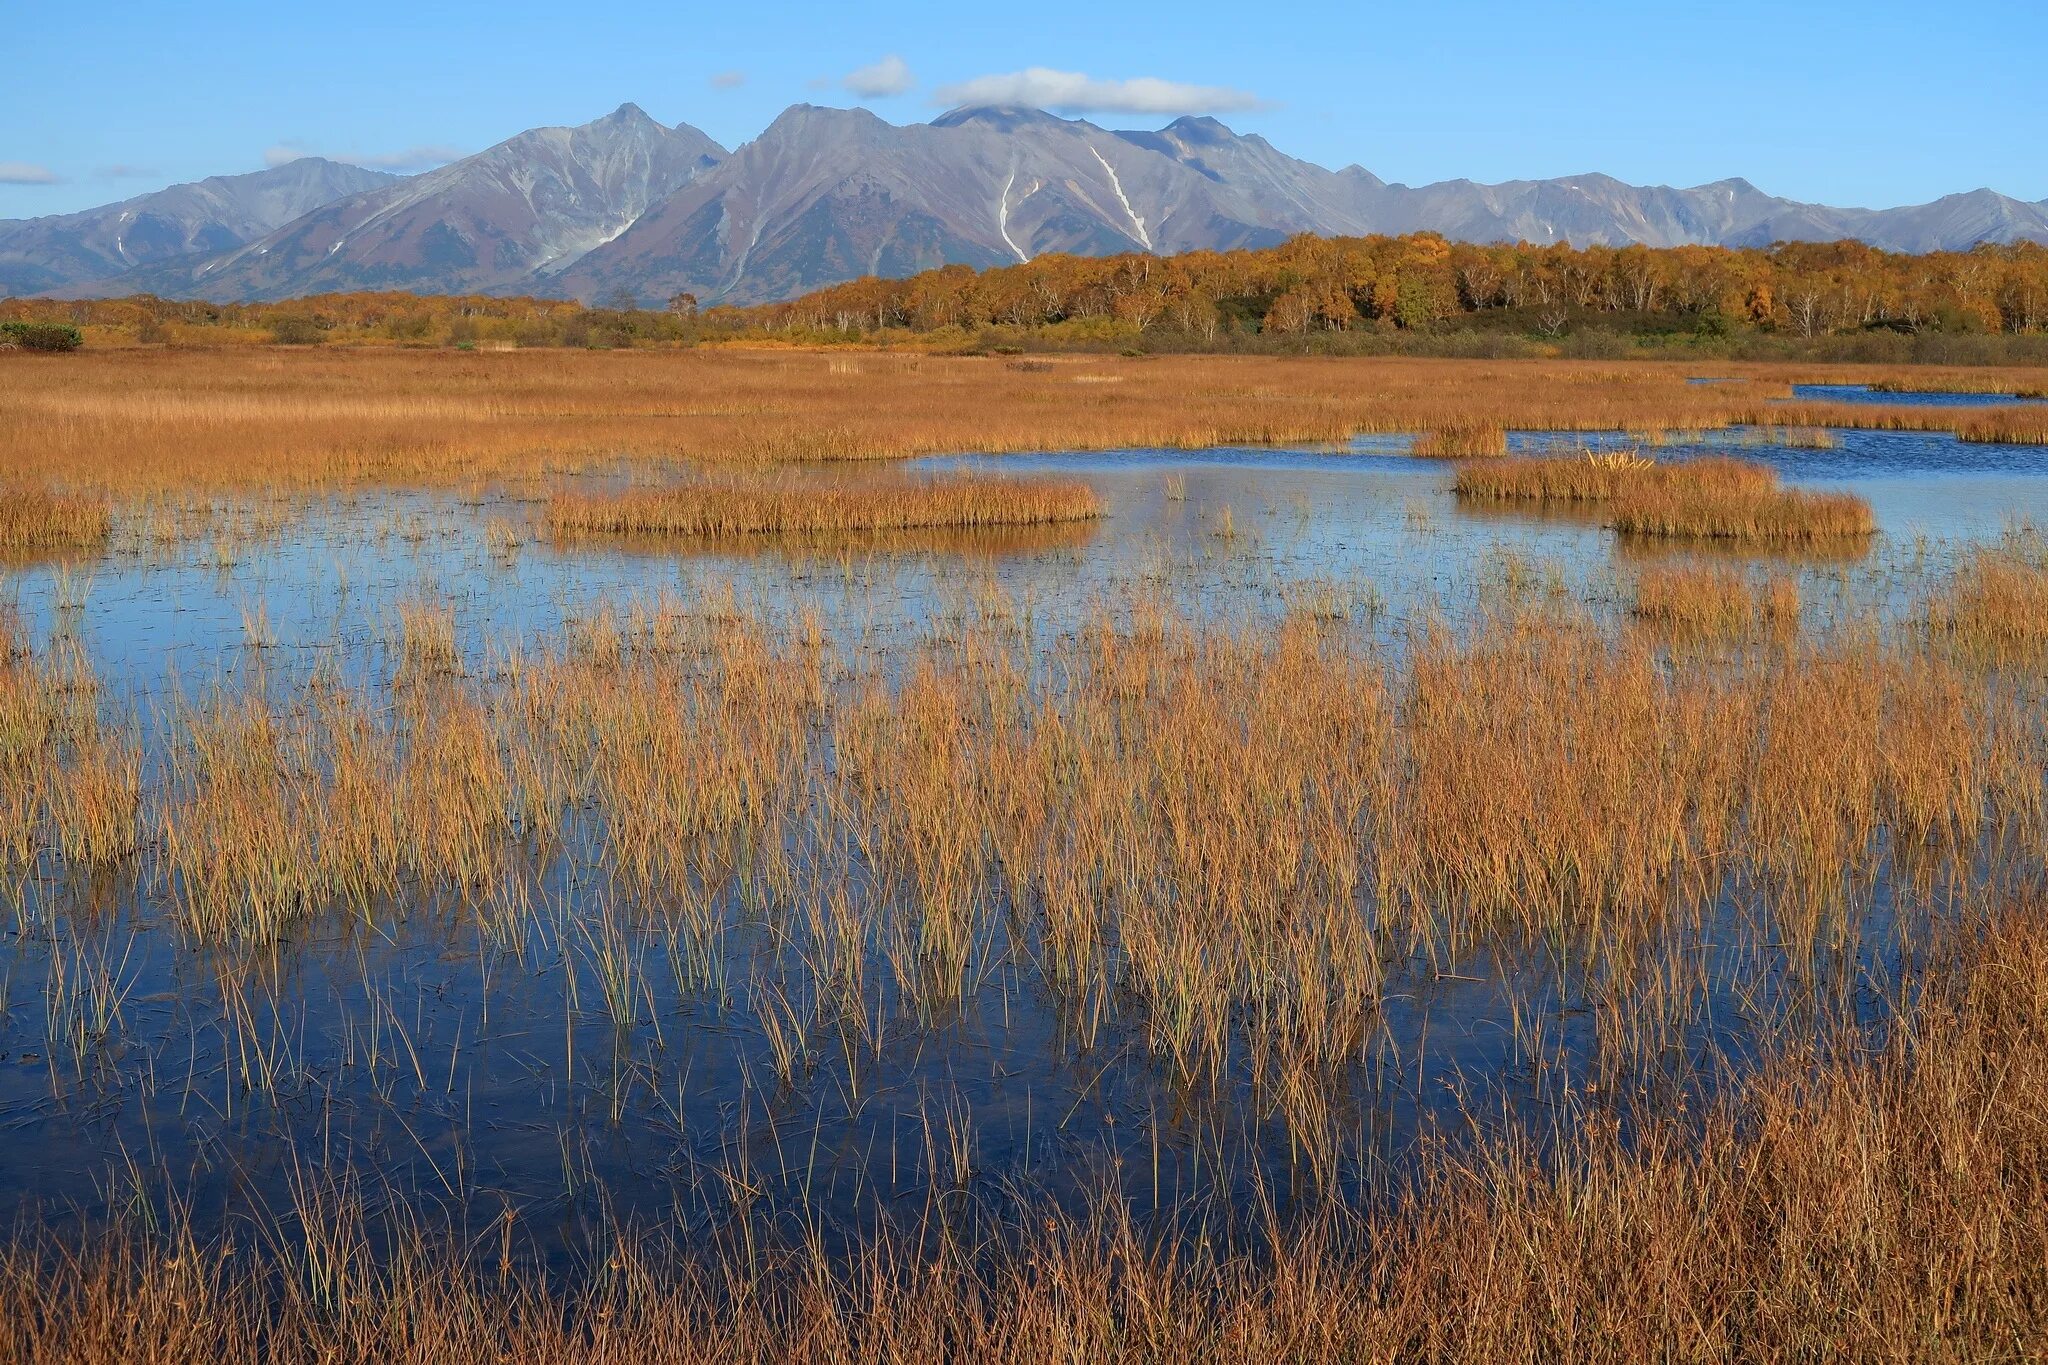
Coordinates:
[1888,1205]
[1606,476]
[1713,498]
[803,506]
[1457,440]
[1531,776]
[1997,600]
[2010,426]
[1775,516]
[1714,603]
[34,517]
[150,421]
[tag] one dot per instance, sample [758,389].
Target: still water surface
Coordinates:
[475,1074]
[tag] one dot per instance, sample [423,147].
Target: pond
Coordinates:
[554,1042]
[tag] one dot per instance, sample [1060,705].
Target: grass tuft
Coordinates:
[1782,515]
[1462,439]
[34,517]
[1714,603]
[790,506]
[1997,600]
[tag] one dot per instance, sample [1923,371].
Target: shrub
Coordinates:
[51,337]
[297,331]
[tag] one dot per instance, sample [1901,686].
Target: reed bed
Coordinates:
[1226,849]
[1462,440]
[70,783]
[34,517]
[1881,1202]
[789,506]
[1707,602]
[2008,426]
[1997,599]
[1712,498]
[1232,828]
[1777,516]
[1605,476]
[152,421]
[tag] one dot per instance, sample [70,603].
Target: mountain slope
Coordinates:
[499,220]
[205,217]
[825,195]
[828,194]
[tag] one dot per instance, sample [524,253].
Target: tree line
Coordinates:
[1422,282]
[1418,292]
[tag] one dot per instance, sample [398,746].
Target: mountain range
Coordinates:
[824,195]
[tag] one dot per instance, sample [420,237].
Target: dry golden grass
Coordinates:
[1713,498]
[789,505]
[1774,516]
[1534,776]
[151,420]
[1997,600]
[68,782]
[1714,603]
[1605,476]
[1459,440]
[2008,426]
[38,518]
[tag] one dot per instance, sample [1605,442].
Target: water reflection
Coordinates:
[469,1050]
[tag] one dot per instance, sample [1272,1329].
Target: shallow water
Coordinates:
[476,1073]
[1919,398]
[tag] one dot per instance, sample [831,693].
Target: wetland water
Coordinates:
[571,1054]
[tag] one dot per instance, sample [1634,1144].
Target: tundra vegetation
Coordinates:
[1230,967]
[158,422]
[1228,848]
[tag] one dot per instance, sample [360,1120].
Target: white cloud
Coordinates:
[411,159]
[1075,93]
[889,76]
[728,80]
[27,173]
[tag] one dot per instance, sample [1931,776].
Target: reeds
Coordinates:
[1997,599]
[1605,476]
[1776,516]
[1706,602]
[2017,424]
[35,517]
[799,507]
[1223,823]
[1461,440]
[144,421]
[1712,498]
[1880,1201]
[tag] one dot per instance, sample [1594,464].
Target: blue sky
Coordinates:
[1861,104]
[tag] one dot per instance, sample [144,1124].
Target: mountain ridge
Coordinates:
[823,194]
[202,217]
[491,222]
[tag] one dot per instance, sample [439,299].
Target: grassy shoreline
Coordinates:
[163,422]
